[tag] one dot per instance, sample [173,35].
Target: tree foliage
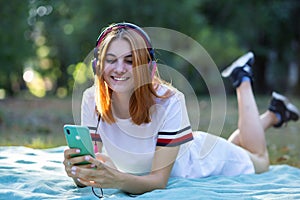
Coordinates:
[48,39]
[269,28]
[15,46]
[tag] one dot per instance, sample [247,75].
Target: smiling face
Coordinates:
[123,76]
[118,66]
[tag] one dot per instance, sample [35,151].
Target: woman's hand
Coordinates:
[104,175]
[105,159]
[102,172]
[69,162]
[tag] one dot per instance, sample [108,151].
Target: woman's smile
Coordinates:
[118,66]
[116,78]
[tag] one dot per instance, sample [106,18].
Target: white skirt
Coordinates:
[209,155]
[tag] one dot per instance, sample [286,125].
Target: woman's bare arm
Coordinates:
[107,177]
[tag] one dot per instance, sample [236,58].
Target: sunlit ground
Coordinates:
[38,123]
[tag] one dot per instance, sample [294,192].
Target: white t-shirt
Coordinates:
[131,147]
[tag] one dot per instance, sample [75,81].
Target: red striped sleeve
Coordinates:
[95,136]
[175,138]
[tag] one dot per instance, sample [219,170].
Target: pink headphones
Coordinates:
[125,25]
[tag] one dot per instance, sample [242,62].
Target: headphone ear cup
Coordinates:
[154,67]
[94,64]
[95,60]
[152,54]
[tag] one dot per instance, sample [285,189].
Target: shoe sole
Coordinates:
[240,62]
[290,107]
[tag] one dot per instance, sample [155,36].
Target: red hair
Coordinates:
[144,94]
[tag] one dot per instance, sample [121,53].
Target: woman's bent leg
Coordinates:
[268,119]
[252,135]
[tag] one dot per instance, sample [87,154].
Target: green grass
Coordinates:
[38,123]
[34,123]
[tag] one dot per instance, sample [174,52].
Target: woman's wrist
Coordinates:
[121,180]
[135,184]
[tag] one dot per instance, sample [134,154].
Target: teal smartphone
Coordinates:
[79,137]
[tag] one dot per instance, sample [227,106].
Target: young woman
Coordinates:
[141,126]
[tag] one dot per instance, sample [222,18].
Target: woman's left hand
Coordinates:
[102,175]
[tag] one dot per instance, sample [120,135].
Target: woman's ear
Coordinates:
[153,70]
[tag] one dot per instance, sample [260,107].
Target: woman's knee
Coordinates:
[261,162]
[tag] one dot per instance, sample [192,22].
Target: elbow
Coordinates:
[162,185]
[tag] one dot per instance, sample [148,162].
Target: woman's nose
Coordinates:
[120,67]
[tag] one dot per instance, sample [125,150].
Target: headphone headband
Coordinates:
[123,25]
[120,26]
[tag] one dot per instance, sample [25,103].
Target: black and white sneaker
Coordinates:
[240,68]
[281,105]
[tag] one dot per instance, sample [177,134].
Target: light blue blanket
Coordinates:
[39,174]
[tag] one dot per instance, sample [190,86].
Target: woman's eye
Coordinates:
[110,61]
[128,61]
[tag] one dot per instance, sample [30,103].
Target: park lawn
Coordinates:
[35,123]
[38,123]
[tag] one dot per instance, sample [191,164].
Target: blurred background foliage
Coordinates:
[43,42]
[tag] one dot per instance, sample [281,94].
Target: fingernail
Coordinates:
[78,179]
[77,150]
[93,165]
[73,168]
[73,172]
[87,158]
